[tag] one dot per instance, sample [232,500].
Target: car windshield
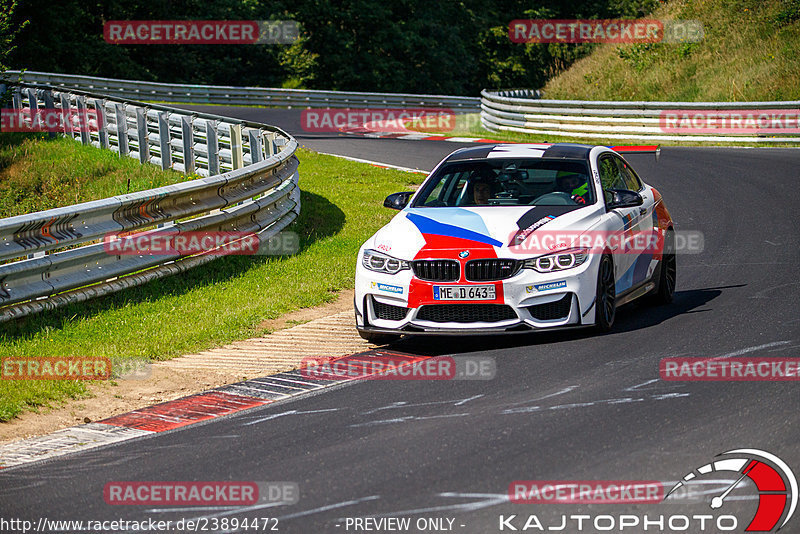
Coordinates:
[508,182]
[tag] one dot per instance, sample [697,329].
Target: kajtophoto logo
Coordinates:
[774,480]
[776,492]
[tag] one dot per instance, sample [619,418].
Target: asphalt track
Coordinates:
[563,406]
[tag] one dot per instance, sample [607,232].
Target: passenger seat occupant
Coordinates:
[573,183]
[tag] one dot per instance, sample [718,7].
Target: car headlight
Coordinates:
[557,261]
[382,263]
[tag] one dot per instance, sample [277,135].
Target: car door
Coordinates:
[621,224]
[643,223]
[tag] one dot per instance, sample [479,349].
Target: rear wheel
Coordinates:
[667,276]
[606,300]
[378,339]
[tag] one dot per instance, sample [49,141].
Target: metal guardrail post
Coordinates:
[141,135]
[33,102]
[16,99]
[66,114]
[47,96]
[164,140]
[83,120]
[270,137]
[49,104]
[102,124]
[188,144]
[237,156]
[255,146]
[122,129]
[212,145]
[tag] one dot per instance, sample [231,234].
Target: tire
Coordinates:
[606,299]
[665,289]
[378,339]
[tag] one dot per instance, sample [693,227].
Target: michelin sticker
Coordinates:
[538,288]
[380,286]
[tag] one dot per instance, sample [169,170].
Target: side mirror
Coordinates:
[398,201]
[623,198]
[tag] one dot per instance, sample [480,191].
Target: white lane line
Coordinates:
[461,402]
[359,160]
[637,386]
[407,419]
[557,393]
[329,507]
[290,412]
[753,349]
[488,499]
[762,294]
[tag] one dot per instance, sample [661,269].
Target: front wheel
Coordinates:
[377,338]
[606,300]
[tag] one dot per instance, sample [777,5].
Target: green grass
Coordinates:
[39,173]
[750,52]
[219,302]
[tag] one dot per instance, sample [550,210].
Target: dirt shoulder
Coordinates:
[167,381]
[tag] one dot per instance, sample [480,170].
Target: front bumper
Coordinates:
[528,301]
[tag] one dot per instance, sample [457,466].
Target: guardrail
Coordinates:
[249,186]
[524,111]
[247,96]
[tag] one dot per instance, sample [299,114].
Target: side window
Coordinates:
[435,196]
[632,181]
[610,176]
[459,190]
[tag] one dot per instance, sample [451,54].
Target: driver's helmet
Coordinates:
[483,176]
[567,181]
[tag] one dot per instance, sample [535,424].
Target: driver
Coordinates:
[573,184]
[481,192]
[481,185]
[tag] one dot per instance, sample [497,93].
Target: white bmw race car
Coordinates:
[514,238]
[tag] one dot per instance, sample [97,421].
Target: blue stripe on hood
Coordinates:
[430,226]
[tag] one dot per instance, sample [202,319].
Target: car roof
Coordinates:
[522,150]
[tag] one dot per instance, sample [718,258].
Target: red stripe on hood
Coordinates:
[447,248]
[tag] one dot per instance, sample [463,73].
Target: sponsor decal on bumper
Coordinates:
[547,286]
[380,286]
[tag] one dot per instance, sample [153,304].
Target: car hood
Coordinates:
[497,230]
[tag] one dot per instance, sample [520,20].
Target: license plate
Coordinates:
[463,293]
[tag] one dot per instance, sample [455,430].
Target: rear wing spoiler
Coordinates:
[637,149]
